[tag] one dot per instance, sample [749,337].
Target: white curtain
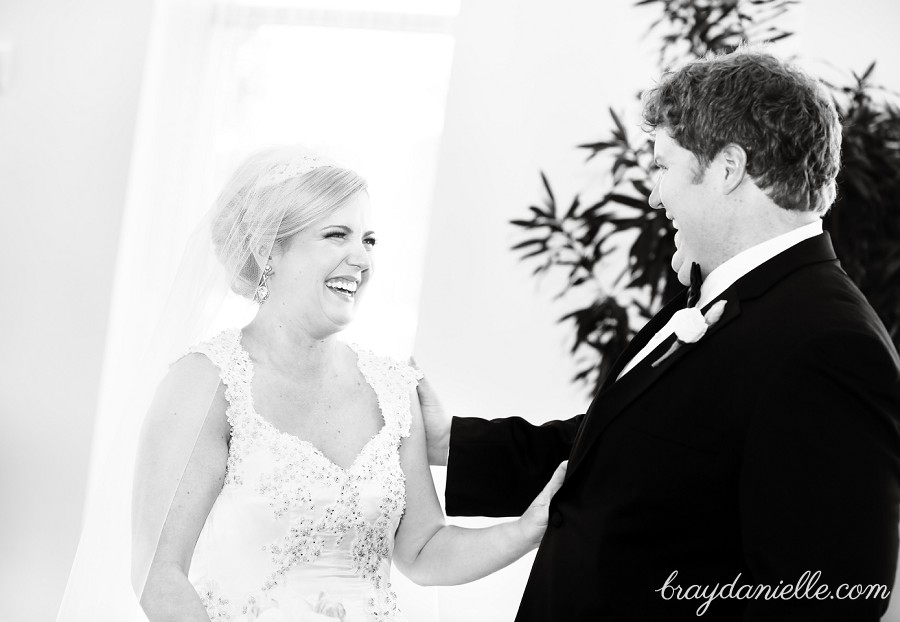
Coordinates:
[363,83]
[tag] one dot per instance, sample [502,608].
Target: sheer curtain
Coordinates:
[363,82]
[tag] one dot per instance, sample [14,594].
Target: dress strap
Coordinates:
[393,382]
[228,355]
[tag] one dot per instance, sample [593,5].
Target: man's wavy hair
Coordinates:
[781,117]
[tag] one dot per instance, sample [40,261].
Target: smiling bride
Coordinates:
[278,470]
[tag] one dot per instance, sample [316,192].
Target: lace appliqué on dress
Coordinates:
[225,352]
[217,607]
[300,473]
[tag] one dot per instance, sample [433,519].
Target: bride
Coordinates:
[279,470]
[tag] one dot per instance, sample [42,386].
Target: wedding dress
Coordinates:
[293,536]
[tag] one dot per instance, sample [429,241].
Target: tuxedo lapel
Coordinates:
[643,337]
[634,346]
[615,395]
[615,398]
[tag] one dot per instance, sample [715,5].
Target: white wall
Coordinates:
[837,36]
[529,83]
[66,124]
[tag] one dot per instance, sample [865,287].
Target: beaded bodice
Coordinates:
[292,535]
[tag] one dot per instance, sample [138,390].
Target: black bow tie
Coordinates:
[693,295]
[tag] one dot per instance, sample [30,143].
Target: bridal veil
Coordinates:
[140,470]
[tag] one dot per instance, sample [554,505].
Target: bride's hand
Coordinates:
[534,521]
[437,422]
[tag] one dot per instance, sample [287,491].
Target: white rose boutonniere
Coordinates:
[690,325]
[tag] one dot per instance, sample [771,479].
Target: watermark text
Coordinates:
[807,587]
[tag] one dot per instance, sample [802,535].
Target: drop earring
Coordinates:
[262,290]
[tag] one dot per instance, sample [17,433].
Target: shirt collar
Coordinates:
[726,274]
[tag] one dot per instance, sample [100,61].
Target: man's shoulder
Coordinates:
[821,304]
[820,293]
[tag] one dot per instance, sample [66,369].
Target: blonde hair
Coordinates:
[272,196]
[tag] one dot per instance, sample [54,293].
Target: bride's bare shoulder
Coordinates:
[192,384]
[192,366]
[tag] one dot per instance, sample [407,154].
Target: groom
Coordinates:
[742,460]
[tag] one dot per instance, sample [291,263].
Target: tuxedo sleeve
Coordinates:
[820,485]
[497,467]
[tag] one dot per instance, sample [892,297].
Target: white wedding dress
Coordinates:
[293,536]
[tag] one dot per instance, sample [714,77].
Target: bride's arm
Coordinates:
[430,552]
[167,593]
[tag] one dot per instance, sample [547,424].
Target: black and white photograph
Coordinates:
[450,311]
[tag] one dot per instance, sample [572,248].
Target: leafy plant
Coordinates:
[865,220]
[693,28]
[578,239]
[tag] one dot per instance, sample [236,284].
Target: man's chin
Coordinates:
[682,267]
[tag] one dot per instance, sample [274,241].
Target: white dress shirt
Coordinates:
[726,274]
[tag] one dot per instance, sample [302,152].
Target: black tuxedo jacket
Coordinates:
[768,449]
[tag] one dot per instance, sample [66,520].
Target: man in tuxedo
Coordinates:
[749,442]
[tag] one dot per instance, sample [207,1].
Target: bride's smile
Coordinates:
[321,273]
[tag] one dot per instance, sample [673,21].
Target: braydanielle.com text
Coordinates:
[807,587]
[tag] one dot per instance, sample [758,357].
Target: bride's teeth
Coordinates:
[342,286]
[351,285]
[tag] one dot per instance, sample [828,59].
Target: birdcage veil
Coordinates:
[274,194]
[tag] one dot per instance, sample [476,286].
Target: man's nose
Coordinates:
[654,200]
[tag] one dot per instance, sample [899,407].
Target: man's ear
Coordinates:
[734,163]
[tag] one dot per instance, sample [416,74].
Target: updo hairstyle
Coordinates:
[272,196]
